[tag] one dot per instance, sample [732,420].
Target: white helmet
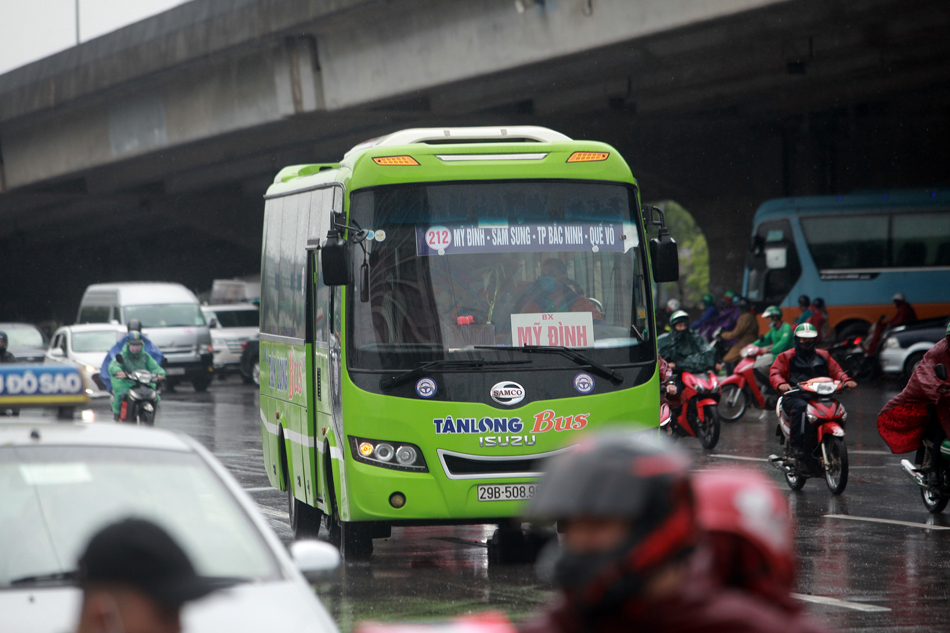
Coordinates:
[673,305]
[898,297]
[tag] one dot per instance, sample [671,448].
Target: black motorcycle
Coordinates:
[141,400]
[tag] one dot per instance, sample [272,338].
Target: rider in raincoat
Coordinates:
[684,349]
[150,349]
[133,357]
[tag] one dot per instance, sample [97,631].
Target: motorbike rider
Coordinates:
[5,356]
[804,304]
[133,357]
[150,348]
[751,533]
[905,312]
[745,332]
[819,318]
[631,556]
[685,350]
[709,313]
[910,420]
[663,316]
[802,362]
[776,340]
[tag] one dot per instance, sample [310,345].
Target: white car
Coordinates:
[85,346]
[233,325]
[61,483]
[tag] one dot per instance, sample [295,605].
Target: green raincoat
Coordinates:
[688,349]
[779,338]
[130,363]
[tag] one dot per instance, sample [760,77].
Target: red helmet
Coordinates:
[750,527]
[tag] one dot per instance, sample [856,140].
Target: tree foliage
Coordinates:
[693,256]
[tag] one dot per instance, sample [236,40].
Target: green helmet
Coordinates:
[948,328]
[772,311]
[679,315]
[806,330]
[708,299]
[730,294]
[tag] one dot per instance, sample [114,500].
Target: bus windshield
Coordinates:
[456,267]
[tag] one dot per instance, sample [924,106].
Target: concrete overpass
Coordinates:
[161,137]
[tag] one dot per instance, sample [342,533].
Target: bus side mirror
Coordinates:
[335,260]
[941,371]
[663,255]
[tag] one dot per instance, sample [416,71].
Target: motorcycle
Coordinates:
[698,412]
[746,386]
[859,355]
[826,418]
[934,490]
[141,400]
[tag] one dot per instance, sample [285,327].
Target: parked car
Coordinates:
[250,362]
[171,317]
[905,345]
[27,342]
[61,483]
[231,325]
[85,346]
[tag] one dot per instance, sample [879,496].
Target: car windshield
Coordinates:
[250,317]
[453,267]
[166,315]
[24,337]
[96,341]
[54,498]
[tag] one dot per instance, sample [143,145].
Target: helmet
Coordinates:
[819,303]
[673,305]
[806,330]
[772,311]
[708,299]
[618,476]
[898,297]
[948,330]
[135,339]
[742,303]
[4,341]
[750,529]
[679,315]
[730,295]
[135,324]
[804,301]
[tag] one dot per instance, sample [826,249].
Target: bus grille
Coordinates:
[461,466]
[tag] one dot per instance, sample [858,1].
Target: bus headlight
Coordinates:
[406,457]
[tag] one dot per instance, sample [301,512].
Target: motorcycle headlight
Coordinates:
[811,417]
[134,395]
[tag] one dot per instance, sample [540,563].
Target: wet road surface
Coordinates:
[872,559]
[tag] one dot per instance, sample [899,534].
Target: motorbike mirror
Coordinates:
[941,371]
[335,260]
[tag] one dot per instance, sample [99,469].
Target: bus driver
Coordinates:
[553,292]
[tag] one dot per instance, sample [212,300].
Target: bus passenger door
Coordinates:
[319,312]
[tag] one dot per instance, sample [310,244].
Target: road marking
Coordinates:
[259,489]
[278,514]
[888,521]
[740,458]
[869,452]
[836,602]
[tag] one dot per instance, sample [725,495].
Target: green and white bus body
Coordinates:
[426,390]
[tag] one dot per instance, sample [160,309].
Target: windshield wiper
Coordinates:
[388,383]
[581,359]
[42,579]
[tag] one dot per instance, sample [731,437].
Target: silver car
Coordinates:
[61,483]
[85,346]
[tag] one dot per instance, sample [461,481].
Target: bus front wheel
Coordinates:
[304,518]
[354,540]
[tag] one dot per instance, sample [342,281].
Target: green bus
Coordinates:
[440,312]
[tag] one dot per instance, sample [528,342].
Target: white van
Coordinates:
[171,318]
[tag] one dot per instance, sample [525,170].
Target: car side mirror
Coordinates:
[941,371]
[316,560]
[335,260]
[57,352]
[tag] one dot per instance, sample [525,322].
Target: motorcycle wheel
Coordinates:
[733,403]
[794,480]
[934,502]
[709,428]
[147,418]
[836,472]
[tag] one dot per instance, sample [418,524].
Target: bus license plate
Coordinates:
[506,492]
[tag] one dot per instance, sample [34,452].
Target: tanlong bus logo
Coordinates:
[285,374]
[507,393]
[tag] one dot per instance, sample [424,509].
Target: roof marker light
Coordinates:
[396,161]
[587,157]
[450,158]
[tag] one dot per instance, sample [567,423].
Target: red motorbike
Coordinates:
[826,417]
[696,412]
[746,386]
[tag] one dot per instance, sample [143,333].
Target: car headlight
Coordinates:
[395,455]
[892,343]
[92,370]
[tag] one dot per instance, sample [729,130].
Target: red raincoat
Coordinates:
[903,420]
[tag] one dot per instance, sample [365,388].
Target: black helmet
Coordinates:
[618,476]
[804,301]
[135,324]
[819,303]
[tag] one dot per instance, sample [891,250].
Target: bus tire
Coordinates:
[353,539]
